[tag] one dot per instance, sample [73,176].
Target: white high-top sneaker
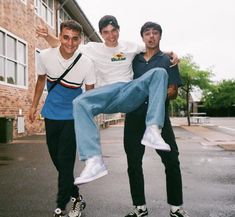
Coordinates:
[152,138]
[94,169]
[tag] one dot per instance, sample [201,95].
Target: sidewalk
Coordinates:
[210,137]
[28,179]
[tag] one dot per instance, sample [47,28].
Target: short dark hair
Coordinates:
[106,20]
[150,25]
[71,24]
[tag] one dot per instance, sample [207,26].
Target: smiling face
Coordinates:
[151,37]
[110,34]
[70,40]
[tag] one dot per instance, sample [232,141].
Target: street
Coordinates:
[28,180]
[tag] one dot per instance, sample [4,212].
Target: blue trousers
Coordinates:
[118,97]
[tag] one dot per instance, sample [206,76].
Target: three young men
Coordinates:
[118,93]
[113,64]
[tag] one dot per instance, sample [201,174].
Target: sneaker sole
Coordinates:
[84,181]
[79,215]
[142,214]
[148,144]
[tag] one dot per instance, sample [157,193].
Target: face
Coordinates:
[110,35]
[70,40]
[151,38]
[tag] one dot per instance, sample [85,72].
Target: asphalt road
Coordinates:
[28,179]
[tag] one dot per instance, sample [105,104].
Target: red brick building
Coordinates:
[18,53]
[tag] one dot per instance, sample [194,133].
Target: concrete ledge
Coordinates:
[227,147]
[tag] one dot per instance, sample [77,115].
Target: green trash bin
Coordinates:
[6,129]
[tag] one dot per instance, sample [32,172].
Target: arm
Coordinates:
[172,91]
[89,87]
[173,57]
[37,95]
[52,40]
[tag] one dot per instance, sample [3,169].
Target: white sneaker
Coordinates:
[94,169]
[152,138]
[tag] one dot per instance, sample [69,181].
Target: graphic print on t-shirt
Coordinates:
[118,57]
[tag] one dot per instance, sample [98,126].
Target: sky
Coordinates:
[204,29]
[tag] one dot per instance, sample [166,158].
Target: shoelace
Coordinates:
[135,211]
[183,212]
[77,206]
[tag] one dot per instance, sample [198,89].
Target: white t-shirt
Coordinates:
[53,65]
[58,104]
[112,64]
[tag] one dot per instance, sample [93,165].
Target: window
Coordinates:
[63,15]
[13,61]
[45,9]
[2,53]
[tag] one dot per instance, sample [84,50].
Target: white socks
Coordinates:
[174,208]
[142,207]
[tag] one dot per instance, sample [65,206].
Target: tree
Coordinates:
[192,76]
[221,96]
[178,105]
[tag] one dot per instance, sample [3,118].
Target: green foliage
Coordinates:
[179,104]
[215,96]
[192,75]
[221,95]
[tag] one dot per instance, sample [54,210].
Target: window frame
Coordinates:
[38,9]
[16,61]
[59,20]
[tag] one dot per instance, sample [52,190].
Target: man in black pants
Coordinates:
[135,128]
[58,109]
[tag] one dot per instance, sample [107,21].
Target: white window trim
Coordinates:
[53,13]
[26,60]
[59,20]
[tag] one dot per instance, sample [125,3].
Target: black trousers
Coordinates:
[61,143]
[133,133]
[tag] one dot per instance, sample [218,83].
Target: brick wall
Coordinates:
[20,20]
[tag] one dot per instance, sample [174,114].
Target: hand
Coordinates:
[174,59]
[41,31]
[172,91]
[32,114]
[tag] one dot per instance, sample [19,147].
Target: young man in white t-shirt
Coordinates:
[57,109]
[117,92]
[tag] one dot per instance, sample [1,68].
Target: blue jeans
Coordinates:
[118,97]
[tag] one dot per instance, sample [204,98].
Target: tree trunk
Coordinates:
[188,112]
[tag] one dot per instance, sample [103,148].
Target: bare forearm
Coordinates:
[38,90]
[42,31]
[52,40]
[37,95]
